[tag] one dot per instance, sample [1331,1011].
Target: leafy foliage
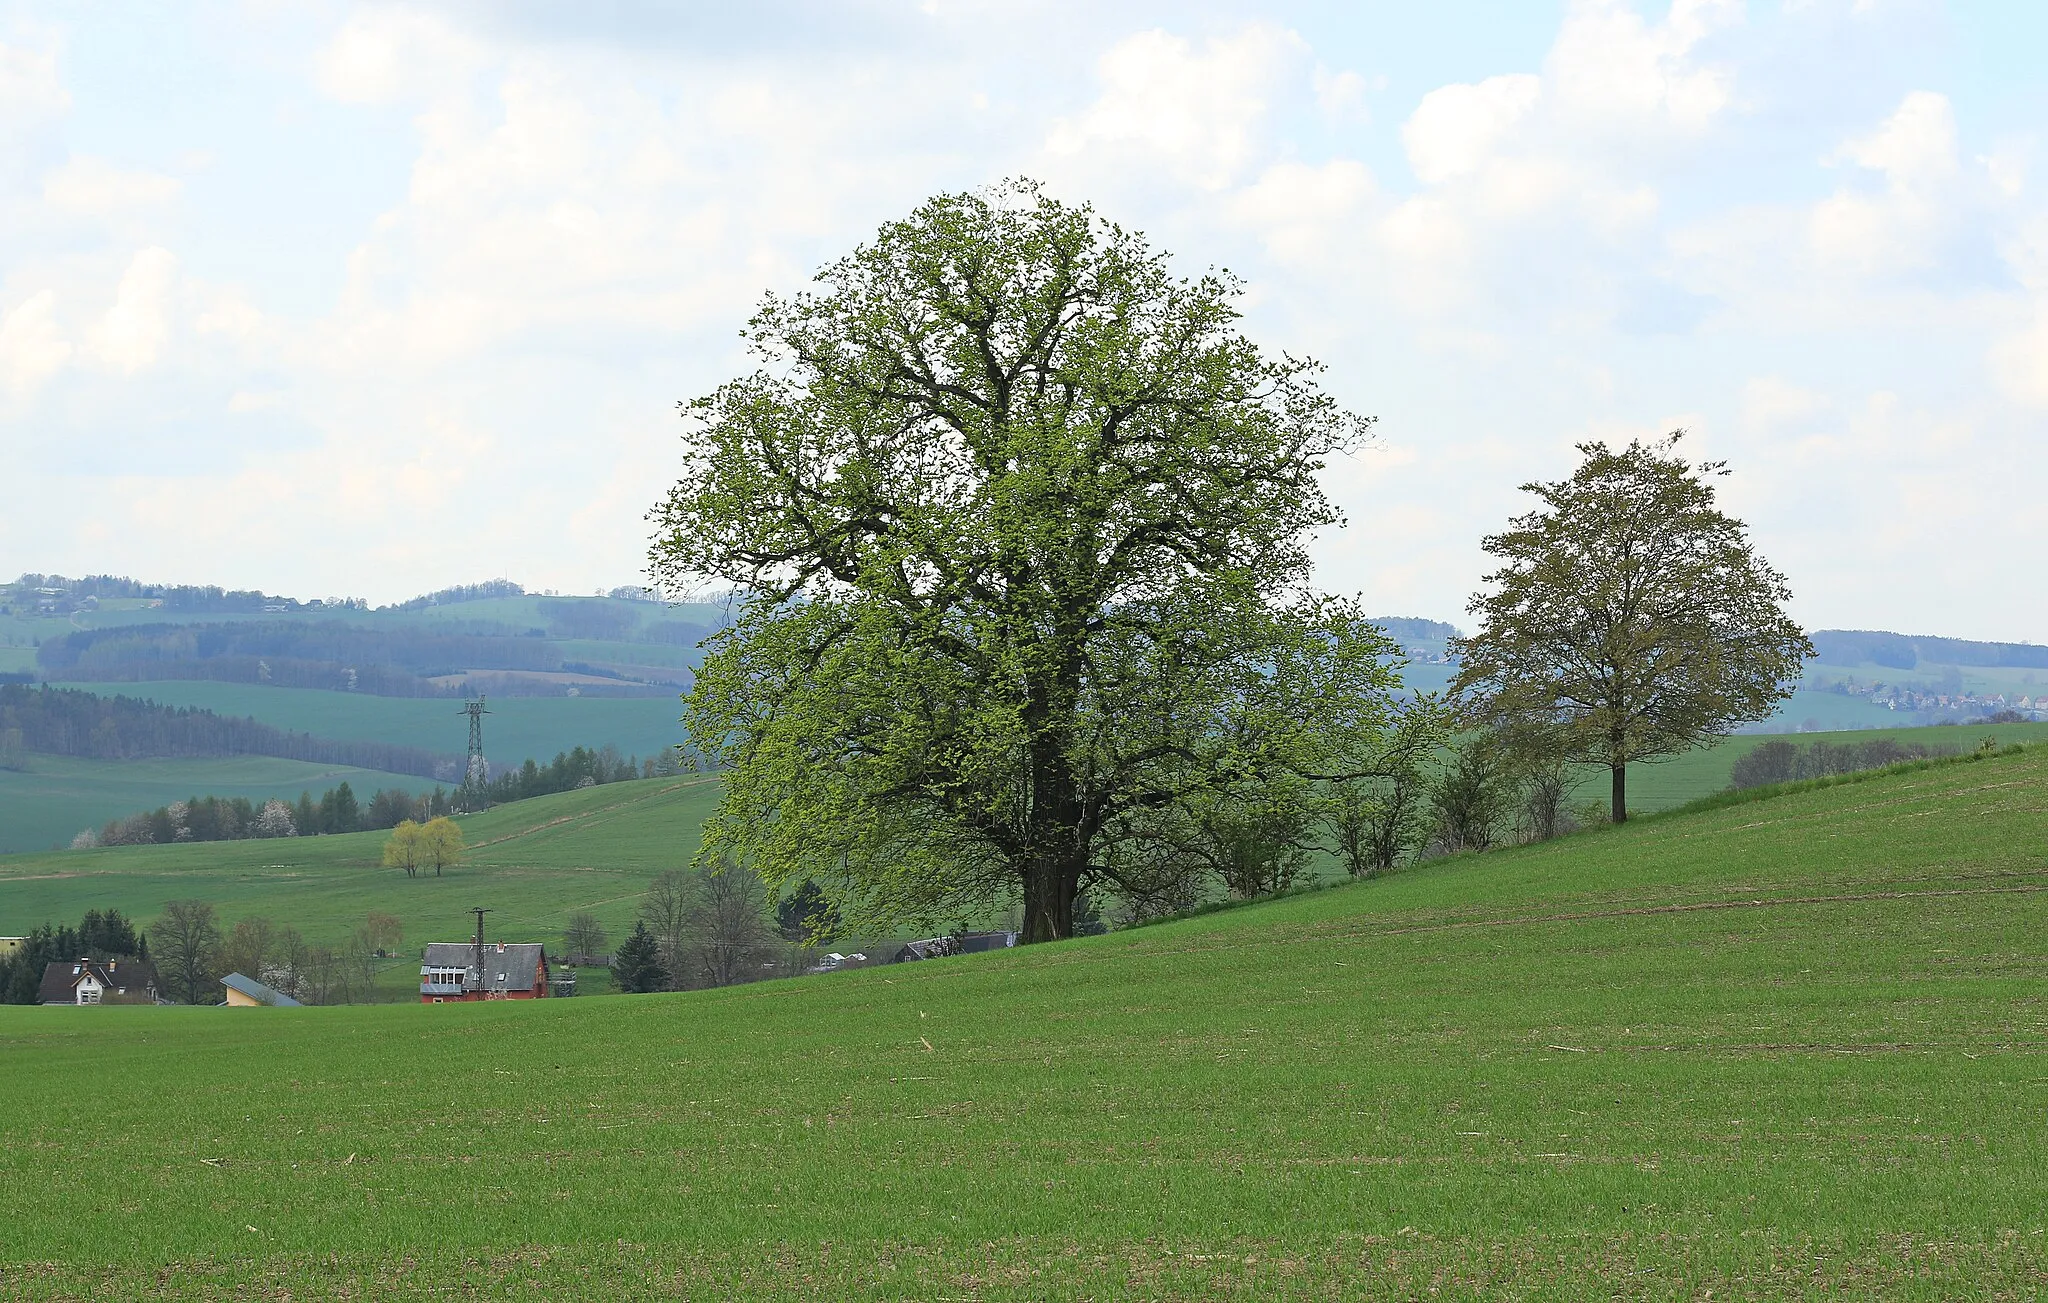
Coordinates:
[1630,618]
[1019,518]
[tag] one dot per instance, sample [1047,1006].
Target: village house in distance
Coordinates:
[466,970]
[93,981]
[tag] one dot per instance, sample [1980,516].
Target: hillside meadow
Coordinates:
[516,728]
[534,863]
[1790,1048]
[53,798]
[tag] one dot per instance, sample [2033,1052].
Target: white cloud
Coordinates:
[1659,208]
[1456,128]
[1616,75]
[390,53]
[32,345]
[30,91]
[1196,111]
[2020,363]
[137,326]
[95,189]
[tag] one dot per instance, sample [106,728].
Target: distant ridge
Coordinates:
[1900,651]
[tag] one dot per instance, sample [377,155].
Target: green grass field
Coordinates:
[1674,782]
[1787,1049]
[537,861]
[533,862]
[56,797]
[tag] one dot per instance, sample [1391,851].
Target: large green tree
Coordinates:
[1017,517]
[1630,618]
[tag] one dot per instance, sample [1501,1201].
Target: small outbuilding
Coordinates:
[248,993]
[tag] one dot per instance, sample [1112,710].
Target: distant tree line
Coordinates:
[71,722]
[205,598]
[1902,652]
[484,591]
[423,651]
[235,818]
[340,810]
[1780,761]
[101,934]
[395,662]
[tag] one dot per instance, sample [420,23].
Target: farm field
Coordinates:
[516,728]
[539,860]
[1785,1049]
[58,796]
[1674,782]
[533,862]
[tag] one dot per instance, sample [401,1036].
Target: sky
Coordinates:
[366,300]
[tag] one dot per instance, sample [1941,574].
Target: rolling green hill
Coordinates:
[1786,1049]
[534,862]
[542,859]
[54,797]
[516,728]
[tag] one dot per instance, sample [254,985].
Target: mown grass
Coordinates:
[1786,1049]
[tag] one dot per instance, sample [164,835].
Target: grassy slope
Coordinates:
[1785,1049]
[533,862]
[1701,773]
[57,796]
[536,870]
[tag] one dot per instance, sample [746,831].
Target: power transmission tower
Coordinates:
[476,771]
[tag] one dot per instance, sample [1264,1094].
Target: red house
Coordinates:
[516,970]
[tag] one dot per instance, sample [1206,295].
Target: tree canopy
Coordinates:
[1017,518]
[1630,618]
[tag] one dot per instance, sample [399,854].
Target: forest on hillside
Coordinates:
[68,722]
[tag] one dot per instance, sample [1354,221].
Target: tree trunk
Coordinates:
[1049,885]
[1621,793]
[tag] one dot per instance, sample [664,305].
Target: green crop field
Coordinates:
[516,728]
[533,862]
[1791,1048]
[1699,773]
[56,797]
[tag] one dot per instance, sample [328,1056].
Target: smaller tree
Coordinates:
[188,950]
[807,917]
[251,945]
[1469,795]
[441,843]
[727,925]
[404,849]
[1630,619]
[275,820]
[665,909]
[384,931]
[637,969]
[1379,817]
[584,938]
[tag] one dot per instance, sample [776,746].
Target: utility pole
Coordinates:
[479,957]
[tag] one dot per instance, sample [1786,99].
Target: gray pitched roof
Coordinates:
[508,965]
[128,981]
[258,992]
